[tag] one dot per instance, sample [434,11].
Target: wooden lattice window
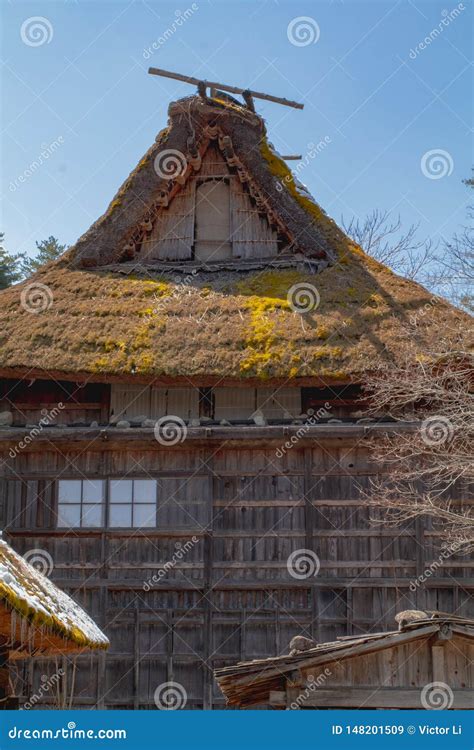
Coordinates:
[132,503]
[80,503]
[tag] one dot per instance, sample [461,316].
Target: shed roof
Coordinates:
[57,623]
[247,683]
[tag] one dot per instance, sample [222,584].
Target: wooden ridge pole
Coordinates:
[224,87]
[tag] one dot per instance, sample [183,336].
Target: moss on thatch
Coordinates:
[238,327]
[35,598]
[224,325]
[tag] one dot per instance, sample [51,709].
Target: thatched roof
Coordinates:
[249,683]
[107,317]
[241,135]
[36,616]
[232,327]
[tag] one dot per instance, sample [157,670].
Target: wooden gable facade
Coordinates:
[211,218]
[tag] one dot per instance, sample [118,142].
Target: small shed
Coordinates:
[426,665]
[37,618]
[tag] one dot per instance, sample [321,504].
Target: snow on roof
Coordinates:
[35,598]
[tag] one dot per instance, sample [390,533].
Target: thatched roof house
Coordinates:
[180,417]
[194,272]
[37,618]
[426,665]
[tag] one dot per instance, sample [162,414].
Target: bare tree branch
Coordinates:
[384,239]
[428,470]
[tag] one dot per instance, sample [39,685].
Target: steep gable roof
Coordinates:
[321,310]
[123,231]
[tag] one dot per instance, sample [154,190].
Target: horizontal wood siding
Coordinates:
[229,516]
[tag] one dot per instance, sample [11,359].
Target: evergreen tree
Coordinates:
[47,250]
[10,266]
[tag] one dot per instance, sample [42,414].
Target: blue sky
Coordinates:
[83,97]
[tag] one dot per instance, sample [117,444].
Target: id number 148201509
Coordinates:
[368,729]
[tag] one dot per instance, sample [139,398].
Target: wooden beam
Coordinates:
[50,435]
[224,87]
[372,697]
[4,674]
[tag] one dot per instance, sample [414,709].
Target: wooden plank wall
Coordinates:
[231,596]
[130,401]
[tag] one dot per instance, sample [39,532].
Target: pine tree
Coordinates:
[47,250]
[10,266]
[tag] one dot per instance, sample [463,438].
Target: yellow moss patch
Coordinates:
[260,337]
[280,170]
[273,285]
[322,332]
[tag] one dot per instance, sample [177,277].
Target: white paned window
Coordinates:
[81,503]
[132,503]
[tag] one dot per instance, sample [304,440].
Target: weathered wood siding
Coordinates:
[211,218]
[231,596]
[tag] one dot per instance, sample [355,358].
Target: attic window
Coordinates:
[212,232]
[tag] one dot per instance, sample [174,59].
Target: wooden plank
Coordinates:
[136,657]
[224,87]
[367,698]
[438,663]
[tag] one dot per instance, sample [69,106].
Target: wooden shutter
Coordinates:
[173,233]
[213,220]
[252,236]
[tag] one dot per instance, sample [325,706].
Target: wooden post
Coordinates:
[310,515]
[136,656]
[438,663]
[4,674]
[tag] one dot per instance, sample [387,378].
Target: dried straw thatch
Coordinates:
[105,316]
[36,616]
[104,326]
